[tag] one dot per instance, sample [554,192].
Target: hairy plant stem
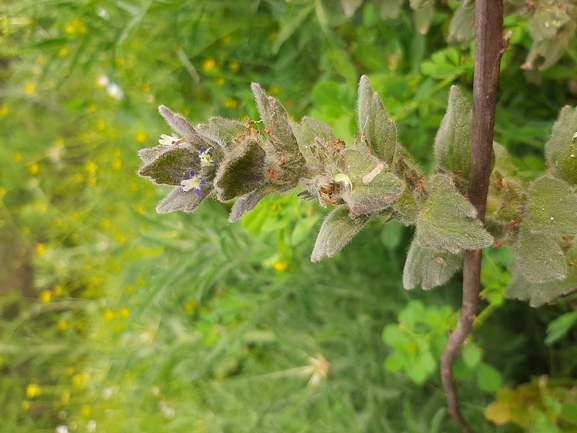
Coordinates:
[490,46]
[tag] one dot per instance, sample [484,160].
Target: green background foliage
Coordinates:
[115,318]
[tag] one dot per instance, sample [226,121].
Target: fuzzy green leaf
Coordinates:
[540,293]
[277,125]
[546,51]
[149,154]
[337,230]
[242,172]
[172,166]
[447,221]
[177,199]
[307,133]
[551,208]
[228,133]
[429,268]
[539,257]
[462,27]
[561,149]
[423,17]
[420,4]
[504,164]
[247,202]
[374,123]
[373,188]
[181,125]
[177,122]
[547,20]
[389,9]
[453,139]
[406,209]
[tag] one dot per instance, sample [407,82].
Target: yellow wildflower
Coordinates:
[4,111]
[280,266]
[40,249]
[32,391]
[124,313]
[65,397]
[140,137]
[76,26]
[63,52]
[29,88]
[209,65]
[79,380]
[45,296]
[230,103]
[234,66]
[33,168]
[91,167]
[190,306]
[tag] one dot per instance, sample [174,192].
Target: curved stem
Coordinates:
[490,46]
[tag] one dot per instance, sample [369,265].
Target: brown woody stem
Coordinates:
[490,46]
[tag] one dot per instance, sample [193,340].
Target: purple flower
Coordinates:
[206,157]
[193,182]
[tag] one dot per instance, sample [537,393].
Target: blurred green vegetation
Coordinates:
[117,319]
